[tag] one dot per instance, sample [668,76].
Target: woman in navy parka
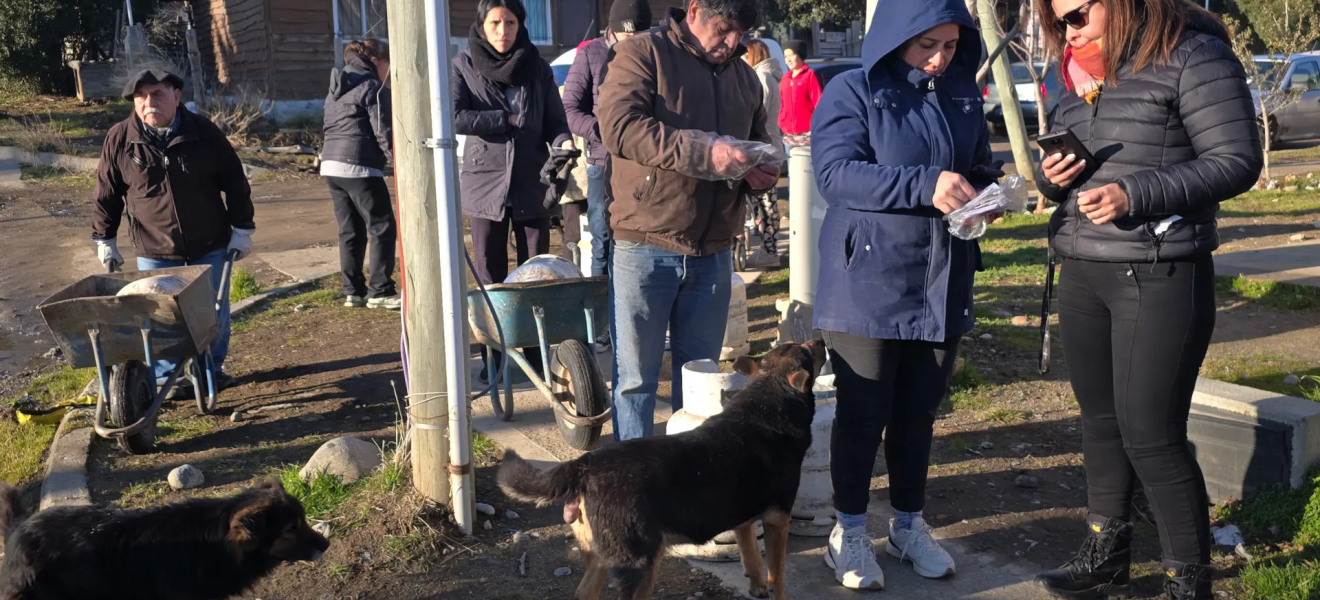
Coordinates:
[896,145]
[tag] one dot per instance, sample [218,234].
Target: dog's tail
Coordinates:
[10,508]
[520,480]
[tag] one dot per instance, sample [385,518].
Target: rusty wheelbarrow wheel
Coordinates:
[579,387]
[130,398]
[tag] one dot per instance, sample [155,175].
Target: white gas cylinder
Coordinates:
[735,330]
[813,510]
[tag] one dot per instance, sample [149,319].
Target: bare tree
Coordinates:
[1284,31]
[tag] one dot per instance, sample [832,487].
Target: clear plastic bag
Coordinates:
[726,158]
[970,221]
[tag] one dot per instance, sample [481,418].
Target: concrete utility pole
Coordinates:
[414,181]
[1008,98]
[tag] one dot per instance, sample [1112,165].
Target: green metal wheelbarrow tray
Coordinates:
[563,312]
[126,335]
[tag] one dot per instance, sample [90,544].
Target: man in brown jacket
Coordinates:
[668,96]
[183,187]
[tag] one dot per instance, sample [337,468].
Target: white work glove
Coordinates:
[107,251]
[241,242]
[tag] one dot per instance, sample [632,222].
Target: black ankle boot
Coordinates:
[1101,569]
[1187,582]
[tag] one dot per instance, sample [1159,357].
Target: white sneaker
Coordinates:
[917,544]
[851,556]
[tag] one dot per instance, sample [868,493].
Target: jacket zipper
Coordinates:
[1090,137]
[169,191]
[715,85]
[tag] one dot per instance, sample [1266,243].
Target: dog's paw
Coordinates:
[758,590]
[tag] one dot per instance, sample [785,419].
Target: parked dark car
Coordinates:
[828,68]
[1300,75]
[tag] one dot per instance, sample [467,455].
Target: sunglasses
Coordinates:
[1075,18]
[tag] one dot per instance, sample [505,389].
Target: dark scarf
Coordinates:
[160,137]
[517,67]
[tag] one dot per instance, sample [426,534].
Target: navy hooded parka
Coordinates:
[881,136]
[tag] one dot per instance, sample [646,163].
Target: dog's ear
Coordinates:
[246,525]
[800,380]
[818,354]
[746,365]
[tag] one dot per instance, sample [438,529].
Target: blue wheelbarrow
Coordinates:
[563,312]
[123,336]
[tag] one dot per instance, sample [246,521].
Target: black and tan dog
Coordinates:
[626,501]
[200,549]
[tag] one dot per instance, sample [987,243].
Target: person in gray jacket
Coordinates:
[357,147]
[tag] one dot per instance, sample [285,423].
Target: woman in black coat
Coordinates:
[1159,99]
[507,104]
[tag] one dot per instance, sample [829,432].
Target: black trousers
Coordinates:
[1134,336]
[888,390]
[363,206]
[490,245]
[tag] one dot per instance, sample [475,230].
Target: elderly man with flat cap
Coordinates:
[182,185]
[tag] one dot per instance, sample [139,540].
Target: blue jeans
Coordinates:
[598,218]
[216,259]
[651,290]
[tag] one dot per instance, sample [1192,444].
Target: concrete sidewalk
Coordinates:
[1295,263]
[985,575]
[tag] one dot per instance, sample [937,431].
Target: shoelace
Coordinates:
[1090,555]
[861,550]
[918,538]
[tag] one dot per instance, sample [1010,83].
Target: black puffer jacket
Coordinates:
[357,116]
[1178,138]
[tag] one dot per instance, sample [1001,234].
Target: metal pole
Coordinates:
[1008,98]
[129,5]
[339,34]
[363,8]
[453,287]
[806,212]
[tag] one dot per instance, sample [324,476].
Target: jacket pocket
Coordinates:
[642,193]
[850,243]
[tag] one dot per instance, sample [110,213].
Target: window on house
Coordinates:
[538,22]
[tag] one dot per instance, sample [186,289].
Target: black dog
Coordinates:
[200,549]
[627,501]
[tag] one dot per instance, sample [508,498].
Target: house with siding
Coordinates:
[286,48]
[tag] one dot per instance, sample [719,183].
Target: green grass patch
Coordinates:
[771,286]
[174,432]
[23,447]
[1283,525]
[413,546]
[306,122]
[1284,296]
[320,496]
[1294,580]
[1005,416]
[320,296]
[1265,372]
[1272,203]
[339,570]
[968,391]
[143,494]
[484,450]
[242,285]
[56,387]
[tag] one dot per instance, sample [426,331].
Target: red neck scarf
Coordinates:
[1084,69]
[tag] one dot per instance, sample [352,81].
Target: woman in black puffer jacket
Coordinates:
[1159,99]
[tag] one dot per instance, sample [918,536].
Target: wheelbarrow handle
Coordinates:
[225,270]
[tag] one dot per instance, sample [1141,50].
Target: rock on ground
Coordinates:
[348,458]
[186,477]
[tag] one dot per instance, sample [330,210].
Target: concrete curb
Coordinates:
[1299,415]
[66,468]
[65,483]
[80,164]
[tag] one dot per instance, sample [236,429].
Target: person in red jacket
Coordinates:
[799,91]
